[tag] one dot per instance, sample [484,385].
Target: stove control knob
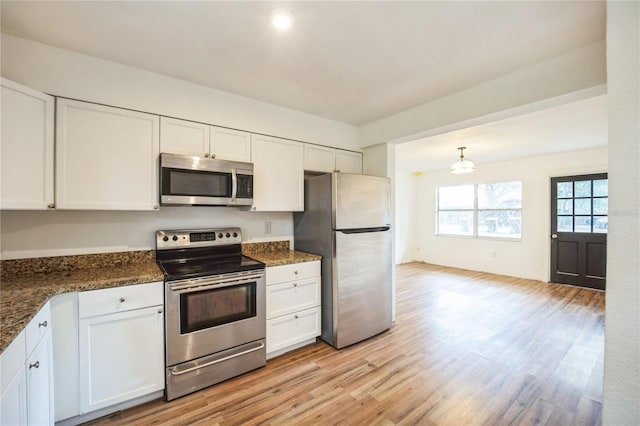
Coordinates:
[165,238]
[219,234]
[235,235]
[228,235]
[175,238]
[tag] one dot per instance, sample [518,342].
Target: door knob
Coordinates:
[554,236]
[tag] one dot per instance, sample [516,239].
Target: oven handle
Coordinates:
[209,283]
[234,185]
[176,371]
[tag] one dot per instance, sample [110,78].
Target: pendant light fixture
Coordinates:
[462,165]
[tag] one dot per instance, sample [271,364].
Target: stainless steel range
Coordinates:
[215,308]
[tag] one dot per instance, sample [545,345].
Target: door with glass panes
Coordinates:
[579,222]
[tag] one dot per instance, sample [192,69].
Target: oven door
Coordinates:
[211,314]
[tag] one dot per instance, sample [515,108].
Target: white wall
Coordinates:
[527,258]
[555,81]
[59,233]
[70,74]
[406,223]
[622,334]
[65,73]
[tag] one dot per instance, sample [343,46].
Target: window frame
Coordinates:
[475,212]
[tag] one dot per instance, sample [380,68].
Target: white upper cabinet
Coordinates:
[326,160]
[184,137]
[278,174]
[228,144]
[26,150]
[106,158]
[348,162]
[319,158]
[197,139]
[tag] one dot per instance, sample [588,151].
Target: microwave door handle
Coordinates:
[234,185]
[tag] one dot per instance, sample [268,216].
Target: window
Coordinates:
[486,210]
[582,206]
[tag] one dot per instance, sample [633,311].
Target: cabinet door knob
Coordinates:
[122,300]
[295,272]
[34,365]
[213,156]
[295,284]
[296,317]
[206,155]
[42,324]
[159,311]
[51,206]
[156,207]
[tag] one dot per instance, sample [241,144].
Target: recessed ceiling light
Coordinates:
[281,19]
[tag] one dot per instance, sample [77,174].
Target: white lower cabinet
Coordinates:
[39,368]
[13,401]
[121,351]
[27,375]
[293,306]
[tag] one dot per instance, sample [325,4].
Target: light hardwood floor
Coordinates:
[467,348]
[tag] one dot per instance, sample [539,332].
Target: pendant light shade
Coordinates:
[462,165]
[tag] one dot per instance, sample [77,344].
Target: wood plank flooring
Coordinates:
[467,348]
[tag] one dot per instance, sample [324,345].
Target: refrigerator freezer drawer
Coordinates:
[361,286]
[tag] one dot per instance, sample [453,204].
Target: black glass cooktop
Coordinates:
[203,266]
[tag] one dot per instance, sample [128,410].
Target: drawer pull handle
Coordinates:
[122,300]
[42,324]
[296,316]
[34,365]
[295,272]
[295,284]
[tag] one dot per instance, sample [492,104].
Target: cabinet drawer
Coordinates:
[37,328]
[290,329]
[296,271]
[120,299]
[293,296]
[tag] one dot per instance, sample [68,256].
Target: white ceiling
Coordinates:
[354,62]
[569,127]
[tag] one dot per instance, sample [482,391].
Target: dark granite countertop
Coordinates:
[284,257]
[27,284]
[276,253]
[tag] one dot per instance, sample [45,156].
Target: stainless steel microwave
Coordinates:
[197,181]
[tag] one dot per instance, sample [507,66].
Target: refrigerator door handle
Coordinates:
[363,230]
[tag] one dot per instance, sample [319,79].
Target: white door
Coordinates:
[278,175]
[40,384]
[121,357]
[229,144]
[184,137]
[106,158]
[26,148]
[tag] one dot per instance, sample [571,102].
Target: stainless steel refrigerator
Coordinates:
[347,220]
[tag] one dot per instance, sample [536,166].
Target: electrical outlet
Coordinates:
[267,227]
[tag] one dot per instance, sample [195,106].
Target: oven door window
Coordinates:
[210,308]
[196,183]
